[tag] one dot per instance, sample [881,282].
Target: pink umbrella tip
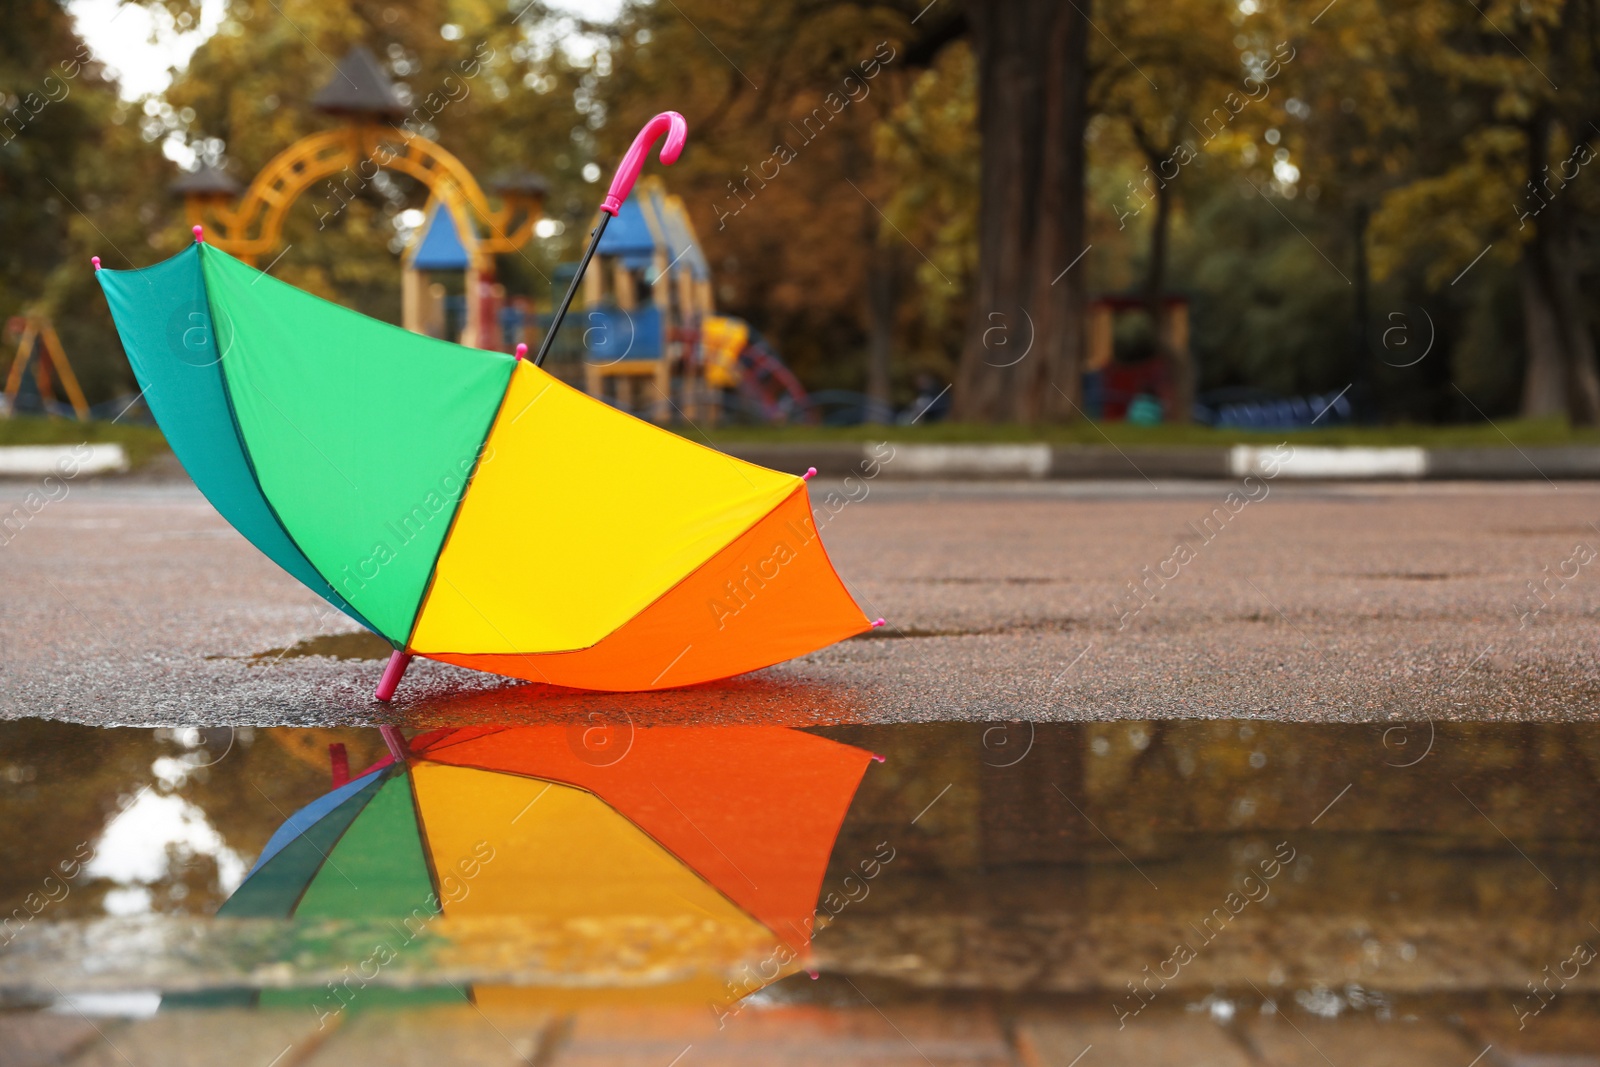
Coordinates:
[814,974]
[879,759]
[96,261]
[811,472]
[877,622]
[522,351]
[199,233]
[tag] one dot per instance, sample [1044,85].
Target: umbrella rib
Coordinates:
[702,833]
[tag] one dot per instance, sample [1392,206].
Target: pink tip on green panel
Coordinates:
[199,233]
[877,623]
[522,351]
[811,472]
[96,261]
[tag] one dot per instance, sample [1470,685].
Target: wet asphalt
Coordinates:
[133,602]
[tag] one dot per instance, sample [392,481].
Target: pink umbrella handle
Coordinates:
[668,122]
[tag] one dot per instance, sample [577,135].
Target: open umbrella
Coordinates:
[464,504]
[727,829]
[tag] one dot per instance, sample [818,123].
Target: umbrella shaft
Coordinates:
[572,290]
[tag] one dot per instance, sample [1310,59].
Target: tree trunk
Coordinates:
[1561,376]
[1360,357]
[1583,376]
[1544,381]
[1024,348]
[1175,363]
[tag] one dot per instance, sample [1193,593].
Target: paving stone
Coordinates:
[913,1037]
[431,1037]
[1155,1041]
[36,1039]
[1560,1038]
[233,1037]
[1310,1042]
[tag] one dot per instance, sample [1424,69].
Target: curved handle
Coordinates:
[668,122]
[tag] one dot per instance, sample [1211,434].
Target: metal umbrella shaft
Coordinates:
[572,290]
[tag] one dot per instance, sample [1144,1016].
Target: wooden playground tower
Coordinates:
[373,134]
[646,301]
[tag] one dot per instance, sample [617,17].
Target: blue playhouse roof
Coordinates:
[628,235]
[681,247]
[440,247]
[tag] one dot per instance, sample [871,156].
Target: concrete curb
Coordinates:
[33,461]
[1038,462]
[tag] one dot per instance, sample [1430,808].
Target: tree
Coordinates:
[1524,77]
[1172,65]
[781,175]
[74,182]
[1032,60]
[930,151]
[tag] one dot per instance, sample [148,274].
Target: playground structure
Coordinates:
[647,304]
[648,319]
[37,337]
[1111,387]
[366,141]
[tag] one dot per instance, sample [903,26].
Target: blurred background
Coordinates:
[1241,213]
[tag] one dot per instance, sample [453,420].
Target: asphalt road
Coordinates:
[133,602]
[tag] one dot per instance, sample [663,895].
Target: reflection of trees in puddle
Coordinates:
[1043,874]
[177,808]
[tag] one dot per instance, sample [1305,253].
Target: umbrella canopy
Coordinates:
[729,828]
[466,505]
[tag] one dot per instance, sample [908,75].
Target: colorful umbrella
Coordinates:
[465,504]
[727,827]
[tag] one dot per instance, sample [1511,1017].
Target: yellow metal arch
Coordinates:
[255,227]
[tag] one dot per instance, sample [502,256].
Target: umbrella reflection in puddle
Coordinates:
[683,866]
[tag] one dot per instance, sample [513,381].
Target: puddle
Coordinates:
[1367,888]
[358,645]
[1132,866]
